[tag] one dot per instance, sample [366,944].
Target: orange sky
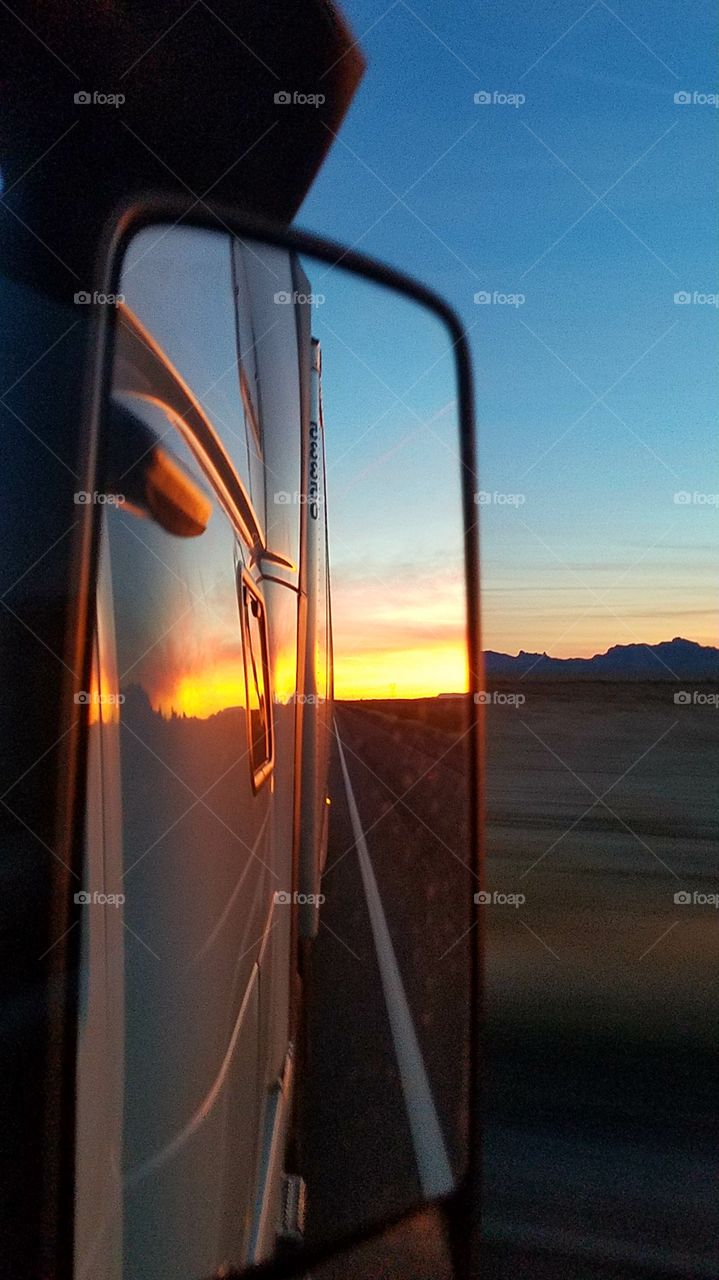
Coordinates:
[400,641]
[408,641]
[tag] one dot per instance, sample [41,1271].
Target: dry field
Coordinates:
[602,804]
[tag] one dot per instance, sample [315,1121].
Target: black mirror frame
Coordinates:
[462,1208]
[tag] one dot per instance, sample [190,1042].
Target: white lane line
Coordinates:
[435,1173]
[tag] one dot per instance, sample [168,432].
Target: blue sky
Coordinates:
[597,392]
[390,401]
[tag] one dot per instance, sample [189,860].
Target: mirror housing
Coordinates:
[171,128]
[461,1210]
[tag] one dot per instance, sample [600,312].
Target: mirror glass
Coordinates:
[281,705]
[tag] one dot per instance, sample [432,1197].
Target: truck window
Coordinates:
[259,719]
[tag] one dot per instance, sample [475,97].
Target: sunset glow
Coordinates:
[398,635]
[401,673]
[202,694]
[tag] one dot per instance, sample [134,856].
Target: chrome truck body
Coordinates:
[207,769]
[318,677]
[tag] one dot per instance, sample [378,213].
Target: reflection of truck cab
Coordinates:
[207,771]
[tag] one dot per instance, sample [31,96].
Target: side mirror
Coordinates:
[287,619]
[142,474]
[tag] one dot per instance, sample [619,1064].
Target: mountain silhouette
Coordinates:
[676,659]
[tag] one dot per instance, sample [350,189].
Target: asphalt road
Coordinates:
[360,1155]
[602,1131]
